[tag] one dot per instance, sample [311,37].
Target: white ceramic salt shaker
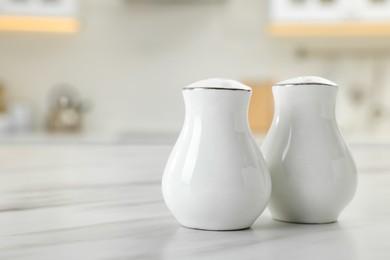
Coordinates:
[216,177]
[312,171]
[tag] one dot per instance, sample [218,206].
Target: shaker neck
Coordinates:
[305,99]
[218,111]
[221,101]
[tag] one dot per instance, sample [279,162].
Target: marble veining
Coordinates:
[104,202]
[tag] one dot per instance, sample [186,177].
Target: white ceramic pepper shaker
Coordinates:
[312,171]
[216,177]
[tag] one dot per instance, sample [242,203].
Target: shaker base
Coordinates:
[305,222]
[216,229]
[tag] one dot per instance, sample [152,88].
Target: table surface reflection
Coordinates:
[104,202]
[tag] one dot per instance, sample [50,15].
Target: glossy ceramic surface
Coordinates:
[216,176]
[312,171]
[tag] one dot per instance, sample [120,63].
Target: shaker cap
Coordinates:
[306,80]
[218,84]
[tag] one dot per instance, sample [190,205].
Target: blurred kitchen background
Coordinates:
[114,69]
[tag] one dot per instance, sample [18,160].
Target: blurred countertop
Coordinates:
[144,138]
[104,202]
[147,138]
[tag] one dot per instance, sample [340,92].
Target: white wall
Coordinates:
[131,59]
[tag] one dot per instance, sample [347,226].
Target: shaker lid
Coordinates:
[218,84]
[306,80]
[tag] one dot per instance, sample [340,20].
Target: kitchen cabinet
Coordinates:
[56,16]
[329,29]
[329,18]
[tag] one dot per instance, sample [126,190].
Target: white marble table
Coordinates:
[104,202]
